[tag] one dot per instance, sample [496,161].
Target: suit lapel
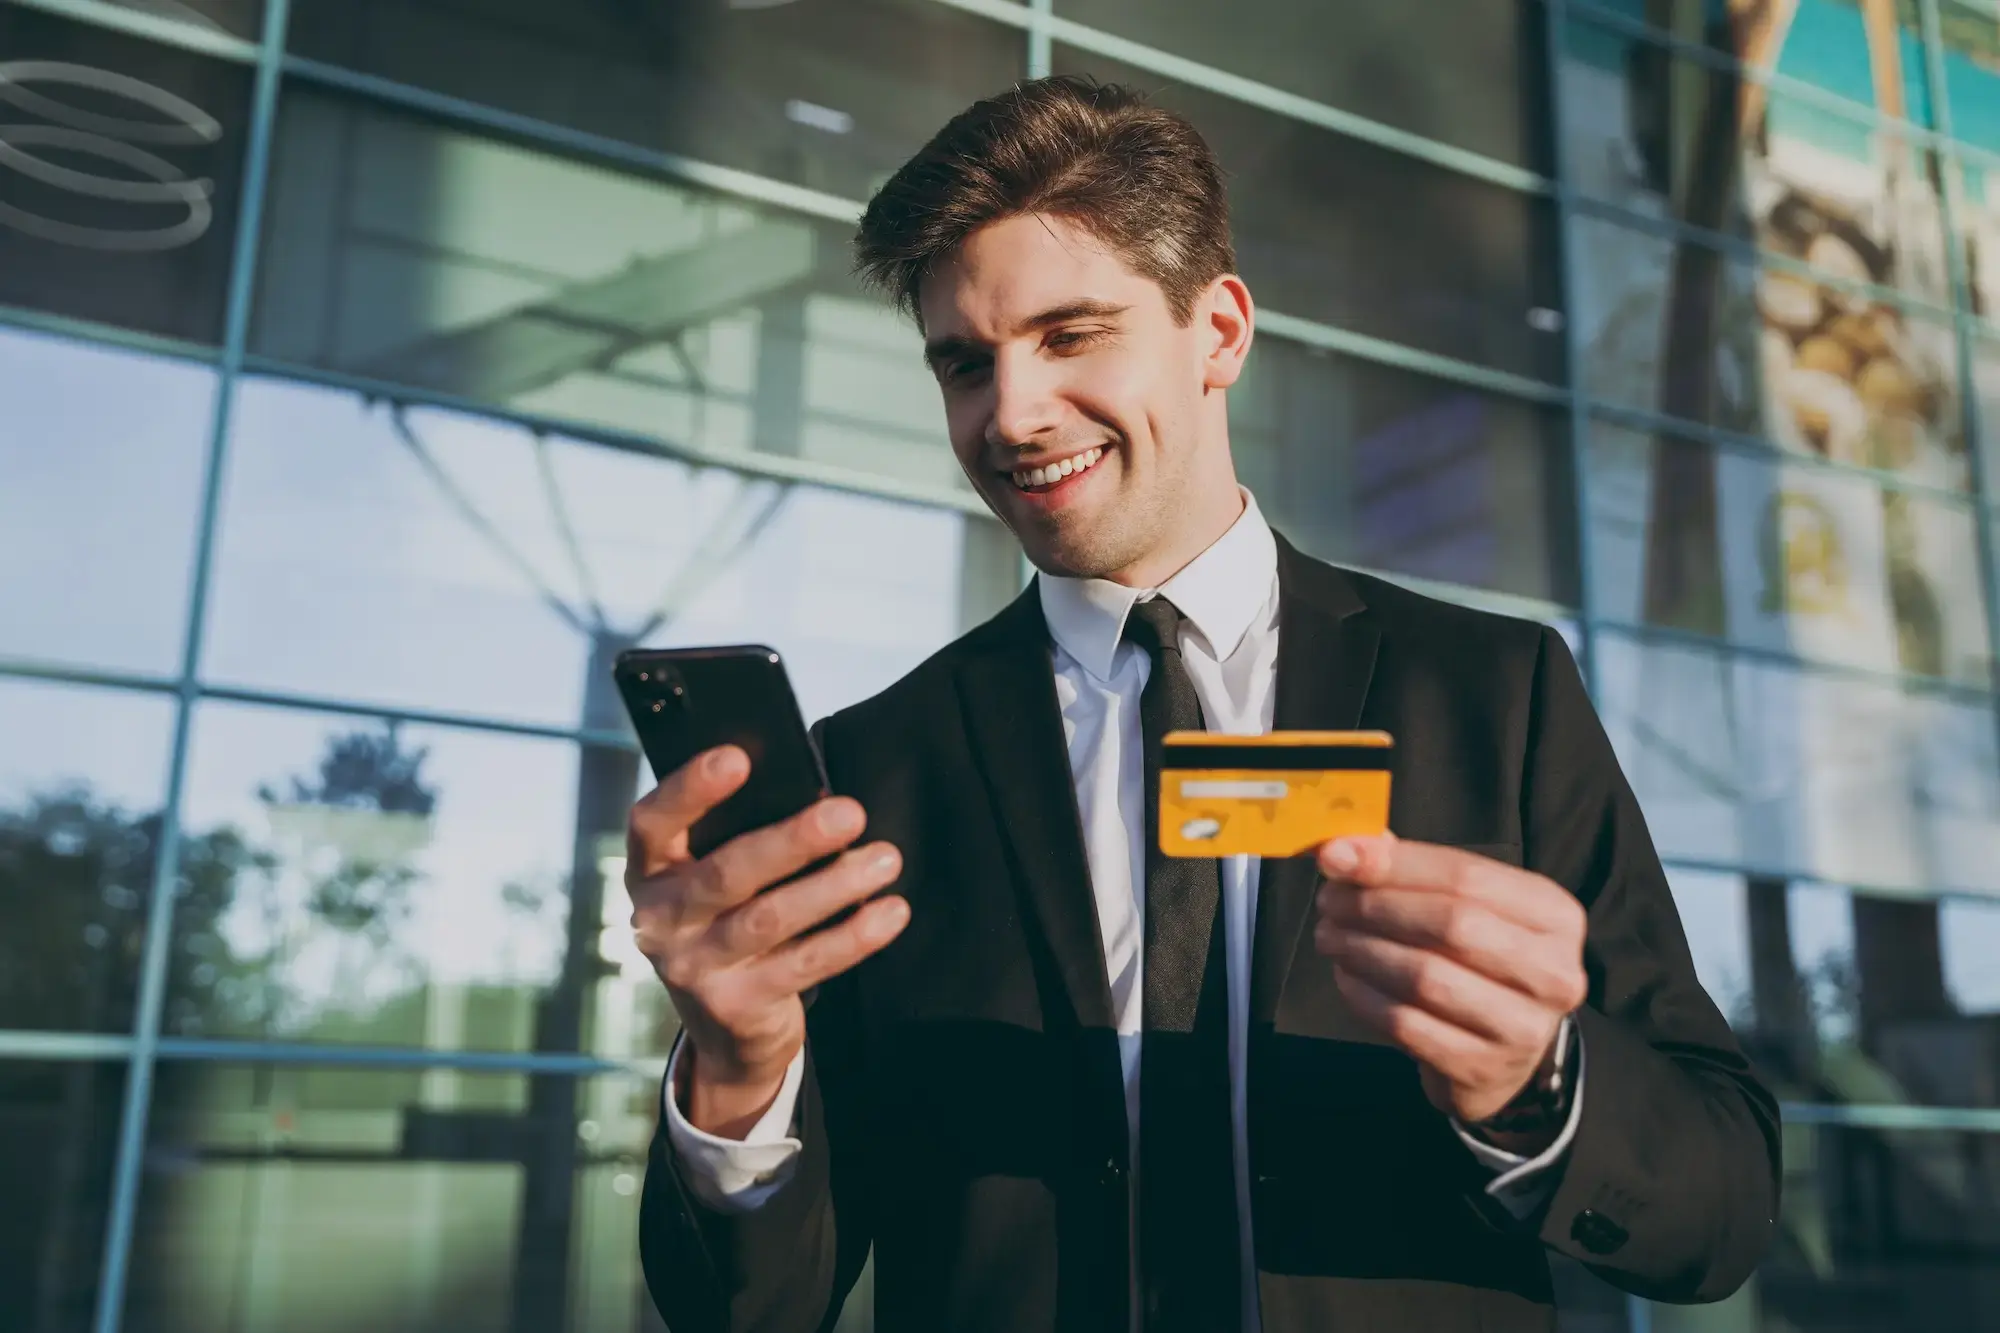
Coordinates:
[1008,695]
[1326,658]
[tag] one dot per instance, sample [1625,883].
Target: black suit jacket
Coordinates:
[963,1113]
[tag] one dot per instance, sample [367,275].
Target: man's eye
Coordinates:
[1071,340]
[955,372]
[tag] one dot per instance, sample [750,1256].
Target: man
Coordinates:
[1055,1080]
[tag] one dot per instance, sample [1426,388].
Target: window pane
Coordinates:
[1842,997]
[1449,264]
[1972,71]
[462,564]
[1685,332]
[403,251]
[394,1200]
[1668,136]
[58,1138]
[833,94]
[119,199]
[1399,472]
[102,455]
[413,886]
[82,777]
[1464,72]
[1788,772]
[1832,567]
[237,18]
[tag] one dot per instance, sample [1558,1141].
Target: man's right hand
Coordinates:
[734,957]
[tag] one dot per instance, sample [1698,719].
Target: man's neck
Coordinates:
[1202,530]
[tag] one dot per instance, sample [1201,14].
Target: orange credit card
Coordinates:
[1278,794]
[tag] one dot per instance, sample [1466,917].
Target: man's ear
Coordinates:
[1227,319]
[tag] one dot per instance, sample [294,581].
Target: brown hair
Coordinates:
[1137,177]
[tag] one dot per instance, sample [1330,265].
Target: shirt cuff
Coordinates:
[732,1175]
[1520,1184]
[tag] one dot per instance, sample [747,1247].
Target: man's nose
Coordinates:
[1025,402]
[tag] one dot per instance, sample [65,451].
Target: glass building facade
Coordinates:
[372,371]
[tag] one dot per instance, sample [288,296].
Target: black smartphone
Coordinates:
[686,700]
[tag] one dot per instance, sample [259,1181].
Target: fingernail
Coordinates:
[1341,858]
[888,919]
[725,763]
[838,817]
[884,859]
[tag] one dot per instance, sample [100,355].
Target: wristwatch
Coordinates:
[1544,1103]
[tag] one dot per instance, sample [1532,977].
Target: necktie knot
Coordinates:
[1155,625]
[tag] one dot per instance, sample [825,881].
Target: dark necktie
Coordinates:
[1189,1264]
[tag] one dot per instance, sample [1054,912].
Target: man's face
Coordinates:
[1076,404]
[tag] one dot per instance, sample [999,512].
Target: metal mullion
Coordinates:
[1041,48]
[1791,87]
[157,948]
[1401,356]
[1894,1116]
[53,325]
[1646,421]
[1553,20]
[209,1050]
[22,1044]
[150,27]
[1697,865]
[1744,251]
[1908,682]
[1964,331]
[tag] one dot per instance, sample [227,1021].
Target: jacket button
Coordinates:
[1597,1233]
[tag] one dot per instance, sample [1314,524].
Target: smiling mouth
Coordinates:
[1036,479]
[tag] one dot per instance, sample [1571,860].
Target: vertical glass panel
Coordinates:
[1674,137]
[397,1200]
[1831,567]
[1971,32]
[119,188]
[82,776]
[402,251]
[1790,772]
[102,459]
[1452,264]
[1403,473]
[831,94]
[1687,332]
[422,558]
[58,1140]
[1461,72]
[413,886]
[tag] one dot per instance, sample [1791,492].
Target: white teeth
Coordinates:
[1055,472]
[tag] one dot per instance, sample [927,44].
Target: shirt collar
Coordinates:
[1220,592]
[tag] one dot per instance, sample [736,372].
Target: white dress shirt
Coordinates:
[1228,598]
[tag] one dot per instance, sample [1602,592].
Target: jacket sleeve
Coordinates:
[1670,1190]
[787,1265]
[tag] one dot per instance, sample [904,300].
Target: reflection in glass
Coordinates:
[118,197]
[830,94]
[1842,779]
[413,886]
[391,1201]
[58,1140]
[1832,567]
[403,251]
[1667,136]
[102,456]
[1464,72]
[236,18]
[1441,261]
[1362,464]
[1814,369]
[422,558]
[82,776]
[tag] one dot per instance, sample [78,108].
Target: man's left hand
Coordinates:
[1466,964]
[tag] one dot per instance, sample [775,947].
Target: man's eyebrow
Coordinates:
[950,345]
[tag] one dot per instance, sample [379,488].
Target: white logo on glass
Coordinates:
[111,139]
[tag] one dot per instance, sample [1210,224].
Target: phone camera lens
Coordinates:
[658,705]
[644,675]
